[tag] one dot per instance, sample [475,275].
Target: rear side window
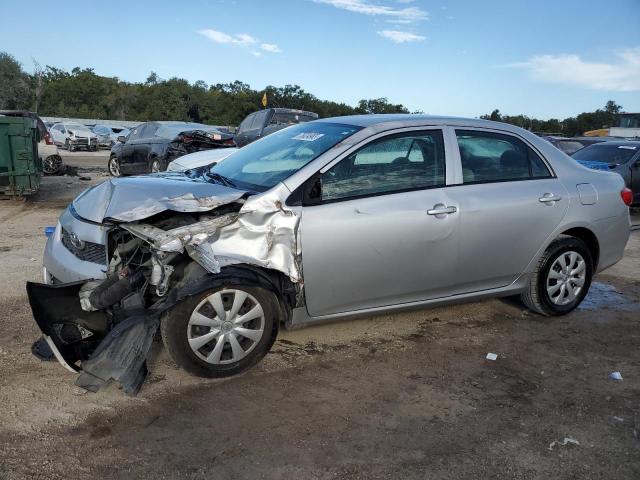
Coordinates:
[493,157]
[409,161]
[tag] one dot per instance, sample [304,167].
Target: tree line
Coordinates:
[81,93]
[570,127]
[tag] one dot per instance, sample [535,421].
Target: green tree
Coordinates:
[14,84]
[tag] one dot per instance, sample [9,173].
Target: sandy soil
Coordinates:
[396,396]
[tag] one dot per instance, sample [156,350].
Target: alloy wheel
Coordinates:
[226,326]
[566,278]
[114,167]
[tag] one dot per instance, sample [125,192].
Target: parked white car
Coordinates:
[108,135]
[200,159]
[72,136]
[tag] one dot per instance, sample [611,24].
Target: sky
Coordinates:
[542,58]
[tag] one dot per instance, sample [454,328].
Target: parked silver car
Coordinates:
[330,219]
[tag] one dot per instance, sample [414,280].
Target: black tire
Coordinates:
[175,324]
[52,165]
[536,297]
[114,166]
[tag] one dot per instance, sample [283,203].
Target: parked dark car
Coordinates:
[265,122]
[151,146]
[571,145]
[622,157]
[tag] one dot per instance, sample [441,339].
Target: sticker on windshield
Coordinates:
[627,147]
[308,137]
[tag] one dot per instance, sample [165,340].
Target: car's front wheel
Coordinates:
[114,166]
[562,278]
[222,331]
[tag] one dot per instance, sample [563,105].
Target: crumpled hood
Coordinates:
[135,198]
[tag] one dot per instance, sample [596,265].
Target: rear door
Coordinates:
[509,204]
[381,229]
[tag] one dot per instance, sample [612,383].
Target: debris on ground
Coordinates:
[615,376]
[492,356]
[566,441]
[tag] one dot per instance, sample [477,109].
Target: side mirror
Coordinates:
[122,138]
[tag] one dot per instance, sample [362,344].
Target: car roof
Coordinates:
[396,120]
[618,143]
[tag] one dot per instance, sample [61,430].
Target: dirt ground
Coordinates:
[396,396]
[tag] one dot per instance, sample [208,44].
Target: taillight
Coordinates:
[627,196]
[47,139]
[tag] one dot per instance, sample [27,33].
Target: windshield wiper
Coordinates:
[221,178]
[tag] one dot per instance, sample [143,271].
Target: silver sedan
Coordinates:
[326,220]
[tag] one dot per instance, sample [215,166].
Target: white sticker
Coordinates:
[626,147]
[308,137]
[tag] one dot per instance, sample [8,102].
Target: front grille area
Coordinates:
[90,252]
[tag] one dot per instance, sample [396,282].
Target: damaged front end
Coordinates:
[104,329]
[196,140]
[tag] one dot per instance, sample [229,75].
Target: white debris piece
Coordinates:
[564,442]
[615,376]
[492,356]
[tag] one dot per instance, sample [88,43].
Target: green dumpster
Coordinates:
[20,168]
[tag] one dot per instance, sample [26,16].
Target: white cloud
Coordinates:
[407,14]
[242,39]
[397,36]
[239,40]
[622,75]
[270,47]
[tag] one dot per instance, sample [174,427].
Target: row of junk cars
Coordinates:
[158,146]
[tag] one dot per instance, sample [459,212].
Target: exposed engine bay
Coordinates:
[104,328]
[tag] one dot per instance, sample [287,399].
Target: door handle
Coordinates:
[549,197]
[441,209]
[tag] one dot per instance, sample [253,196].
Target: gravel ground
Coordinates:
[395,396]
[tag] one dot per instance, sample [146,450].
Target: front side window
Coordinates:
[261,165]
[408,161]
[493,157]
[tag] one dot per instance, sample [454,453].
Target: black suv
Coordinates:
[264,122]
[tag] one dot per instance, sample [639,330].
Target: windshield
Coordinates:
[611,154]
[171,131]
[77,126]
[569,147]
[262,164]
[101,129]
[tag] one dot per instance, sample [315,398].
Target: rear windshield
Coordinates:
[291,118]
[171,131]
[263,164]
[611,154]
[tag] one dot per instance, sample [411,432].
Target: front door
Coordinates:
[382,230]
[509,204]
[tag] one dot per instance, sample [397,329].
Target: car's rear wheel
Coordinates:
[114,166]
[52,165]
[562,278]
[221,332]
